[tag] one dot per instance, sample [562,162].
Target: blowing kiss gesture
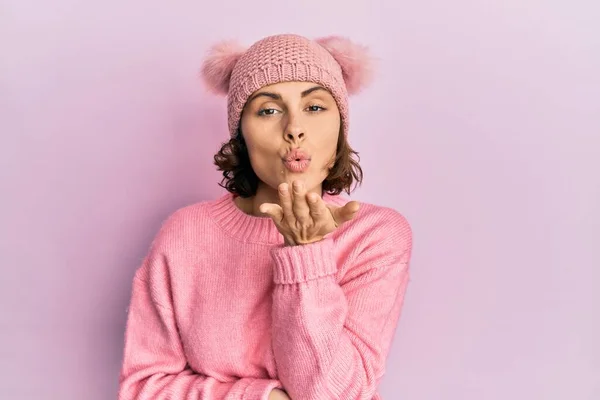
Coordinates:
[303,217]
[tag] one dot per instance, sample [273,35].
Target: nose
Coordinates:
[293,136]
[294,132]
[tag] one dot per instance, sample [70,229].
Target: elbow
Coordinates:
[129,387]
[361,387]
[138,386]
[357,382]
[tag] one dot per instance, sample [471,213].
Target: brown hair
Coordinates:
[239,177]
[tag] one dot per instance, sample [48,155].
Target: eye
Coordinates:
[315,108]
[267,111]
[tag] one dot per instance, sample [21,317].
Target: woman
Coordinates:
[280,288]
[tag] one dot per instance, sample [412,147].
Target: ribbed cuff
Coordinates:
[296,264]
[259,389]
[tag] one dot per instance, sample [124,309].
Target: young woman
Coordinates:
[280,288]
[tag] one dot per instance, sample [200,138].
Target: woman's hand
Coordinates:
[304,217]
[278,394]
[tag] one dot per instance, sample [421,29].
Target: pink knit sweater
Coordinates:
[220,309]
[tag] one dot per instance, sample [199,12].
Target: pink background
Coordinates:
[483,128]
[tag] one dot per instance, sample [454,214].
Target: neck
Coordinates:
[264,194]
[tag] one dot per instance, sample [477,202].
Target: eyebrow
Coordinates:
[277,96]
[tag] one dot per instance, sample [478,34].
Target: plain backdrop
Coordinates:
[482,127]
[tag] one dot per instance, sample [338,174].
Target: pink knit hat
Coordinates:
[334,62]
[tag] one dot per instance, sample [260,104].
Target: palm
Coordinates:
[303,217]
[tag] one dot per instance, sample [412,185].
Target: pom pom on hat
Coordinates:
[354,59]
[218,65]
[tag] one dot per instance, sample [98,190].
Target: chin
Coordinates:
[311,181]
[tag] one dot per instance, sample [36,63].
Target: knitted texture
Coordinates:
[334,62]
[284,58]
[220,309]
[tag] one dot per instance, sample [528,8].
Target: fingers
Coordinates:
[301,213]
[318,209]
[285,198]
[351,208]
[300,205]
[345,213]
[272,210]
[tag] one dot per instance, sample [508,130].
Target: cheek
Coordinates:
[255,136]
[261,145]
[263,153]
[256,154]
[326,134]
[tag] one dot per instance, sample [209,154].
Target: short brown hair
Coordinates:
[239,177]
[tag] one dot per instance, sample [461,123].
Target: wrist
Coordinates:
[292,242]
[300,264]
[278,394]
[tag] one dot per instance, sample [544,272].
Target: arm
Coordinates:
[154,363]
[331,340]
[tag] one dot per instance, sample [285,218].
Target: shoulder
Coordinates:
[373,217]
[177,239]
[185,223]
[385,224]
[379,228]
[184,220]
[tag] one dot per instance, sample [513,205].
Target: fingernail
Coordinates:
[297,186]
[283,188]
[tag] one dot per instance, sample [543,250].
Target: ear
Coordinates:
[354,59]
[217,67]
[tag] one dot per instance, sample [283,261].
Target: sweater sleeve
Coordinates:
[331,339]
[154,362]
